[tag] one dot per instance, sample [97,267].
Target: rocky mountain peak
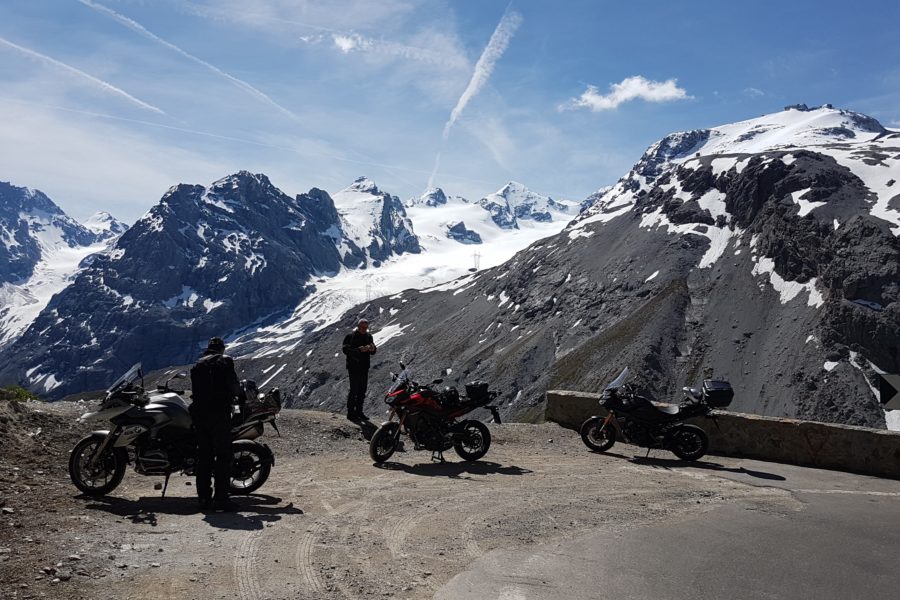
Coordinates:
[105,226]
[365,185]
[432,197]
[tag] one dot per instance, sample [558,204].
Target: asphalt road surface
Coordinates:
[842,542]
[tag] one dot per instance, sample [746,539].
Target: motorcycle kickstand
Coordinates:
[166,484]
[648,452]
[437,456]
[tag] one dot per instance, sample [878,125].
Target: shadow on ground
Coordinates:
[145,511]
[670,463]
[454,470]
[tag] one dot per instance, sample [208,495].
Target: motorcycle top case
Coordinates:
[477,391]
[717,393]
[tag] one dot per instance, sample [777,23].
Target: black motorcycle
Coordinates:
[153,431]
[640,422]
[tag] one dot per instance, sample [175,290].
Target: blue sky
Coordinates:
[104,104]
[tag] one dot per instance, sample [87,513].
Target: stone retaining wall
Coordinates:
[807,443]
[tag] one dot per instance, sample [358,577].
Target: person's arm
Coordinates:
[347,348]
[372,345]
[232,381]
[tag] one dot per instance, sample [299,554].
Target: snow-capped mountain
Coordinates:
[41,249]
[514,202]
[454,237]
[765,252]
[105,226]
[241,259]
[204,261]
[374,225]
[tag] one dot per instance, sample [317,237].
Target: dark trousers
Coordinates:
[213,455]
[359,381]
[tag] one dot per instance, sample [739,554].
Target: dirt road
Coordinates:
[329,524]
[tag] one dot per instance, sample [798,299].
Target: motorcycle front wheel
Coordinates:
[105,474]
[474,441]
[688,442]
[384,442]
[250,468]
[598,435]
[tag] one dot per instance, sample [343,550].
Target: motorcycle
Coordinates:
[429,418]
[153,431]
[638,421]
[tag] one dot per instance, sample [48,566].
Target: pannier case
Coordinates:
[717,394]
[477,391]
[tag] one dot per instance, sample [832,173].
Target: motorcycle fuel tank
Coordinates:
[170,409]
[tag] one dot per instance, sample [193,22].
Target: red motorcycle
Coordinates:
[429,418]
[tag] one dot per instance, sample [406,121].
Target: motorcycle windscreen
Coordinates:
[618,381]
[404,377]
[133,374]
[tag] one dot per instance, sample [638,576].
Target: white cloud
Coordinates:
[754,92]
[345,43]
[99,83]
[630,88]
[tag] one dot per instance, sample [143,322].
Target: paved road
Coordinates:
[842,542]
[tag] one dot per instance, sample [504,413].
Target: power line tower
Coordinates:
[368,291]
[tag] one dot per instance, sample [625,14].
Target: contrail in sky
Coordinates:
[137,27]
[495,48]
[98,82]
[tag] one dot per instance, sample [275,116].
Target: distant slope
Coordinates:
[765,251]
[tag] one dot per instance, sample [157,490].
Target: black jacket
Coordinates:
[355,358]
[214,384]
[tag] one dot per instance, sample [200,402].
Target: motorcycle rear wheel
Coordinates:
[688,442]
[384,442]
[105,475]
[596,436]
[250,468]
[474,442]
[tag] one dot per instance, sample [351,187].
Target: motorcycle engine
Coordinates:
[637,433]
[151,459]
[428,432]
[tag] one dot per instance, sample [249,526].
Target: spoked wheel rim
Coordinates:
[103,470]
[689,442]
[473,441]
[600,433]
[246,468]
[387,441]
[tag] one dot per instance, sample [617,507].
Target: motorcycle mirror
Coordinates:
[446,371]
[437,381]
[402,366]
[393,376]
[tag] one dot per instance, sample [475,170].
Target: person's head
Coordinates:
[216,345]
[362,325]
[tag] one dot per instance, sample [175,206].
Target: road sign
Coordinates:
[889,391]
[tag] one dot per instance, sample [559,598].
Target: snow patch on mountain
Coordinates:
[444,262]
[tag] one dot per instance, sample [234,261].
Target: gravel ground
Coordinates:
[328,524]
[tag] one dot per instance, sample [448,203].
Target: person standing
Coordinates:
[214,384]
[359,347]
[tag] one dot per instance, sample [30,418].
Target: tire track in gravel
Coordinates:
[244,571]
[303,556]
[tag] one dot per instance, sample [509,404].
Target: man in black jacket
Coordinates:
[359,347]
[214,384]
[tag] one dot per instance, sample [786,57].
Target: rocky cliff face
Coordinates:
[31,225]
[41,250]
[204,261]
[765,252]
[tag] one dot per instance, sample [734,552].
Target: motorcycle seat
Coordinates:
[669,410]
[694,393]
